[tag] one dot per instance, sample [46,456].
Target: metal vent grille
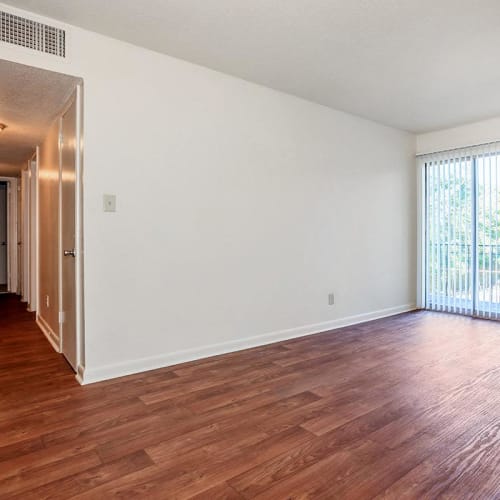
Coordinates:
[37,36]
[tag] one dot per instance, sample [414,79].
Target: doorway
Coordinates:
[462,206]
[41,150]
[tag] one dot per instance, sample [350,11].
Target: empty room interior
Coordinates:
[249,249]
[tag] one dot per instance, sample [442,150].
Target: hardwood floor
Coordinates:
[404,407]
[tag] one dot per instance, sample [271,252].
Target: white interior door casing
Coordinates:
[33,264]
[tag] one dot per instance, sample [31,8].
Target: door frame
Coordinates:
[33,239]
[422,230]
[29,211]
[12,234]
[79,277]
[79,239]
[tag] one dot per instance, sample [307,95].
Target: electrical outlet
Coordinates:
[109,202]
[331,299]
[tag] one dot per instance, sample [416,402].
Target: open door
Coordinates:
[68,234]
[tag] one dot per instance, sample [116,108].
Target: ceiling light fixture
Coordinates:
[2,127]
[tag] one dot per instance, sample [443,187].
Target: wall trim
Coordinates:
[48,332]
[91,375]
[79,374]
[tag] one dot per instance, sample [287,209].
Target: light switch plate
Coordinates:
[109,202]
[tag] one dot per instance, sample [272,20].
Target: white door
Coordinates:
[68,235]
[3,237]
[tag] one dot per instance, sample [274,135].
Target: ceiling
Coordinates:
[417,65]
[30,100]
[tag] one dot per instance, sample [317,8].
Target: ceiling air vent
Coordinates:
[27,33]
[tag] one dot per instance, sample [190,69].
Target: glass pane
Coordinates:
[488,232]
[449,195]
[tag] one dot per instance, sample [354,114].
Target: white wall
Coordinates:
[239,209]
[7,170]
[458,137]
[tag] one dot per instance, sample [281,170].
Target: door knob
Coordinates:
[3,243]
[70,253]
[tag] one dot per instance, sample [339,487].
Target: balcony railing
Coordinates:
[449,277]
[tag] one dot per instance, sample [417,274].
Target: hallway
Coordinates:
[27,360]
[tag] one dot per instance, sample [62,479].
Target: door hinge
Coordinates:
[62,317]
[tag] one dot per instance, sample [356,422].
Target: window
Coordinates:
[462,231]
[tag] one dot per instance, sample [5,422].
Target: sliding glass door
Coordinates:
[462,231]
[487,235]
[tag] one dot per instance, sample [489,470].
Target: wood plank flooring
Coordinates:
[404,407]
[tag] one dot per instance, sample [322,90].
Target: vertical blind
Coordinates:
[462,231]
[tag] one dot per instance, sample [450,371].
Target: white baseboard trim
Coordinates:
[80,370]
[48,332]
[91,375]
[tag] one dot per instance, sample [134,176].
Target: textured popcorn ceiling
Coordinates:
[418,65]
[30,99]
